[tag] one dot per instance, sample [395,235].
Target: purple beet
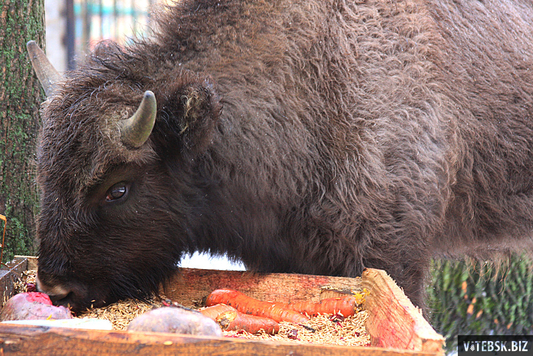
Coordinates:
[32,306]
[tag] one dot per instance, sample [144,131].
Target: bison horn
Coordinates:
[135,131]
[47,74]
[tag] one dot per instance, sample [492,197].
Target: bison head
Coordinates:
[114,174]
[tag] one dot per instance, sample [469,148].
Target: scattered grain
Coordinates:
[328,330]
[121,313]
[26,282]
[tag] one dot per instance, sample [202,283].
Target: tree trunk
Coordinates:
[20,97]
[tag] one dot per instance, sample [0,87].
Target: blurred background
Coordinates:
[465,297]
[73,27]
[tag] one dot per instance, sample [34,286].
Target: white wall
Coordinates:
[205,261]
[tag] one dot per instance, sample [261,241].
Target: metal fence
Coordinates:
[89,21]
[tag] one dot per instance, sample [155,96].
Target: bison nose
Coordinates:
[67,292]
[55,291]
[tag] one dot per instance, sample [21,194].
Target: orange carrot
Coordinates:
[212,312]
[244,304]
[230,319]
[341,305]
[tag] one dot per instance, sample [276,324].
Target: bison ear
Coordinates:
[194,110]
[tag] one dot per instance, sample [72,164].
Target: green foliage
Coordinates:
[19,240]
[481,298]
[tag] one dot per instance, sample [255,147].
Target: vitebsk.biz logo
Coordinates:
[496,346]
[468,345]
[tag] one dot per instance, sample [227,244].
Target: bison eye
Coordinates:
[116,192]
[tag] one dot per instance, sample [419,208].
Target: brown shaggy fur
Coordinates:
[308,136]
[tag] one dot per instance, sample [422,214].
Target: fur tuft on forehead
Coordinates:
[80,140]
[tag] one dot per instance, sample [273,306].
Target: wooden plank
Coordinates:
[32,261]
[393,320]
[190,285]
[8,275]
[27,340]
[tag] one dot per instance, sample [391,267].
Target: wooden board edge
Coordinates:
[394,322]
[32,340]
[8,275]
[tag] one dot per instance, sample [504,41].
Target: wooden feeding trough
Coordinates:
[395,326]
